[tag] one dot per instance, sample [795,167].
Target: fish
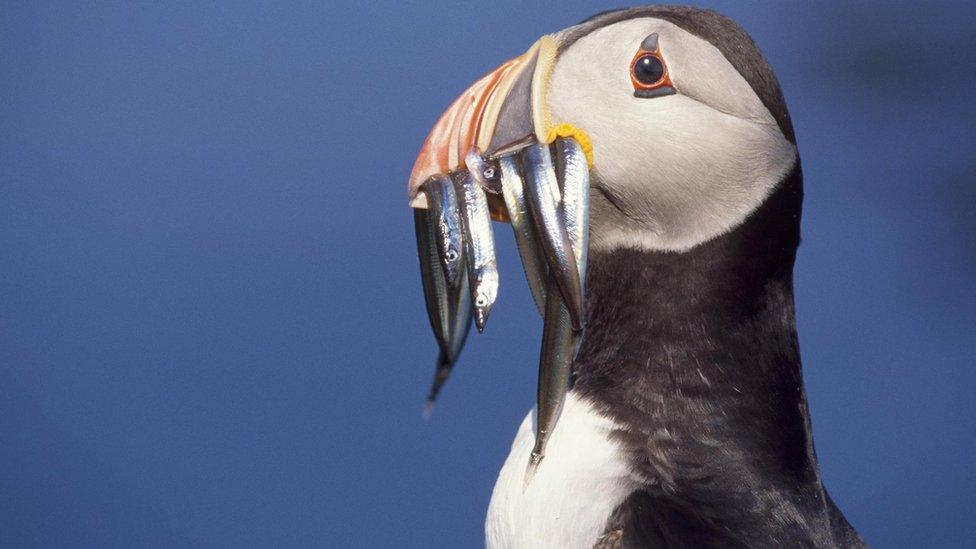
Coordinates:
[436,294]
[575,178]
[479,241]
[555,366]
[459,324]
[533,259]
[548,206]
[442,201]
[541,188]
[560,341]
[485,171]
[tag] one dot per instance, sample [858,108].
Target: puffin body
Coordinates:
[687,423]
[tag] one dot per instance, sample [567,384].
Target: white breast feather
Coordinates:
[583,478]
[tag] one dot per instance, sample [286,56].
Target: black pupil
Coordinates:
[648,70]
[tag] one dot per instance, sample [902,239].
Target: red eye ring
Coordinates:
[647,59]
[648,72]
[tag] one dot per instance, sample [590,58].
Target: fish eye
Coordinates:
[648,69]
[481,301]
[452,255]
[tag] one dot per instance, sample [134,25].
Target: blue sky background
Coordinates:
[211,324]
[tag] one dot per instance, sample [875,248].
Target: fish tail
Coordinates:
[441,373]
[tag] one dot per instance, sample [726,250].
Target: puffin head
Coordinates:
[681,117]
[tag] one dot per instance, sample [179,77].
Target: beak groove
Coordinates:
[503,108]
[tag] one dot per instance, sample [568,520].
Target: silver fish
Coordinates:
[576,199]
[480,247]
[555,367]
[533,259]
[484,171]
[443,204]
[541,187]
[559,341]
[436,295]
[459,315]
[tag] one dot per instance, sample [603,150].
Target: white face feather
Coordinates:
[680,169]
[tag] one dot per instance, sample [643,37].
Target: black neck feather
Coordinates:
[695,354]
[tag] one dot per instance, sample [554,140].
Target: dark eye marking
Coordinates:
[649,72]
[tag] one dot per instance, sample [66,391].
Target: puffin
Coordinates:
[686,422]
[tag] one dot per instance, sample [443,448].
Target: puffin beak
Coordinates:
[505,113]
[495,154]
[499,113]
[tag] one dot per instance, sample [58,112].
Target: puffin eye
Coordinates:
[649,72]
